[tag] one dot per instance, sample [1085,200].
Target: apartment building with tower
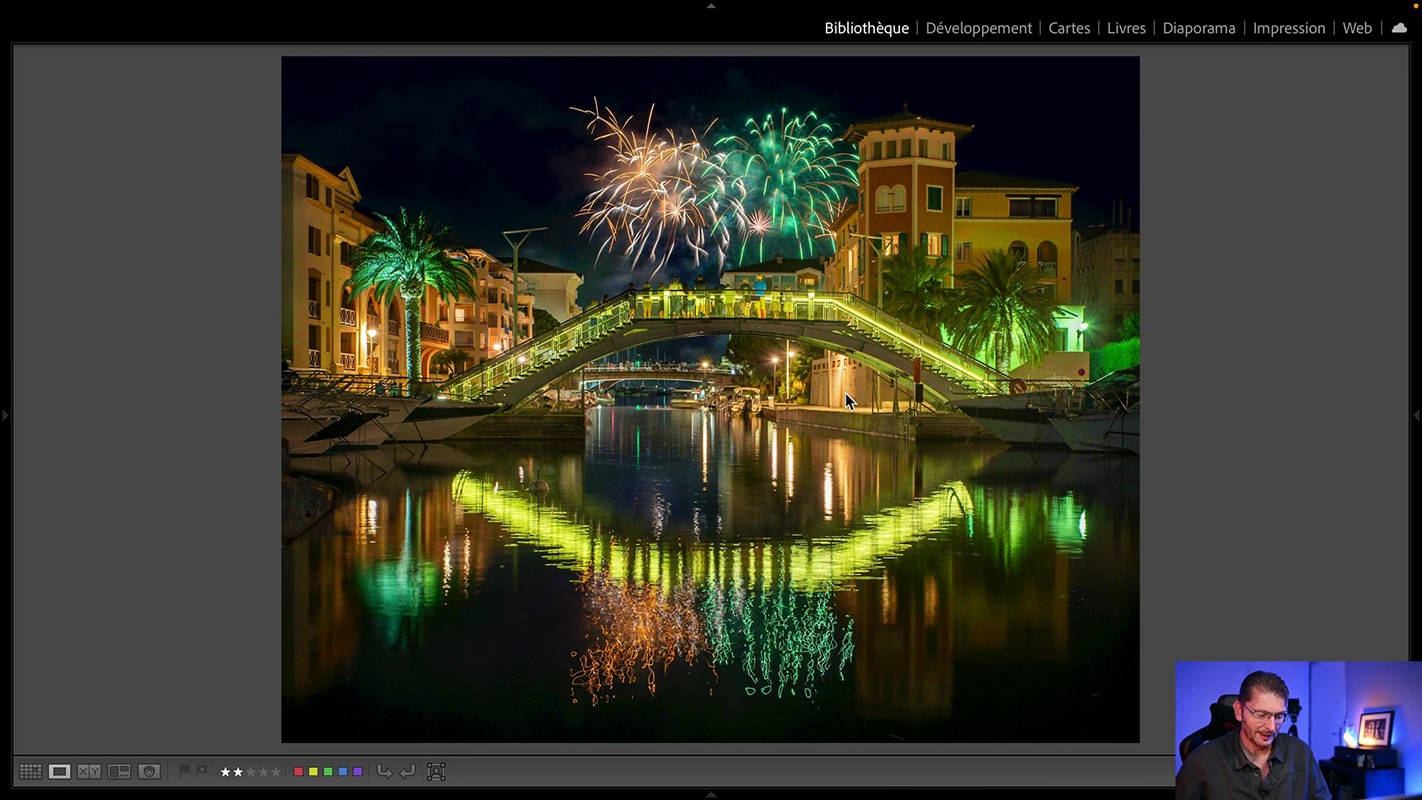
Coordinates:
[912,193]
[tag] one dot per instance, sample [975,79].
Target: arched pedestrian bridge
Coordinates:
[840,322]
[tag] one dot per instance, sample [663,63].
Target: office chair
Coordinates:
[1222,721]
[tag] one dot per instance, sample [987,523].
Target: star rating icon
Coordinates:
[248,772]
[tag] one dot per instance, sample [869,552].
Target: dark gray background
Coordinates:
[146,272]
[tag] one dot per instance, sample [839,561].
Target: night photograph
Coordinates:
[710,399]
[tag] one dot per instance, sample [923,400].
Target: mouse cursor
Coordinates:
[849,402]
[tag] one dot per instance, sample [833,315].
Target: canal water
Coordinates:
[687,577]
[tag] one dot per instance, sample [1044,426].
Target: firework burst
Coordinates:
[794,177]
[662,195]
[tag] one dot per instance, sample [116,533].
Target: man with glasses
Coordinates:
[1260,761]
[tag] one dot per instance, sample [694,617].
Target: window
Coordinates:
[346,248]
[1034,207]
[1018,251]
[313,240]
[935,198]
[963,252]
[962,206]
[1136,286]
[882,199]
[1119,317]
[1119,286]
[1047,259]
[906,147]
[923,148]
[935,244]
[878,150]
[313,187]
[458,314]
[900,198]
[893,151]
[947,151]
[328,196]
[891,244]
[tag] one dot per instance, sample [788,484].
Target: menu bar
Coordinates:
[1115,30]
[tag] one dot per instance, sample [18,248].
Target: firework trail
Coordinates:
[795,178]
[662,195]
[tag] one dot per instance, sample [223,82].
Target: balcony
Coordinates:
[392,366]
[1047,269]
[392,327]
[313,359]
[372,322]
[433,333]
[348,317]
[348,361]
[313,309]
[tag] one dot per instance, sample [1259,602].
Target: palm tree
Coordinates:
[914,288]
[1000,305]
[454,359]
[404,258]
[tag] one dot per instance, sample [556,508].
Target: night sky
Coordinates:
[493,144]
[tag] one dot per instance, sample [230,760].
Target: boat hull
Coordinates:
[1017,425]
[411,419]
[1104,432]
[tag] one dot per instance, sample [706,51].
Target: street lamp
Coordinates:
[515,245]
[1081,335]
[789,354]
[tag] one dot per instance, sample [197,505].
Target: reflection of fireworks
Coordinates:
[792,170]
[633,630]
[787,638]
[661,194]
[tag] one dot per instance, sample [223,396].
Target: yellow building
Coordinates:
[324,326]
[911,193]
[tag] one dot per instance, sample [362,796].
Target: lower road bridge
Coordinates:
[608,375]
[840,322]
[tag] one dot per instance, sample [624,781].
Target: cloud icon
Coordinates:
[1399,28]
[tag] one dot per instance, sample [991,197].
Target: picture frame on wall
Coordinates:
[1375,729]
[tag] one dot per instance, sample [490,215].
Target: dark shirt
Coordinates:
[1219,770]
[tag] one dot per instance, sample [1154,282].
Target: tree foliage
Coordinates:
[409,254]
[916,289]
[1130,327]
[453,360]
[999,307]
[543,321]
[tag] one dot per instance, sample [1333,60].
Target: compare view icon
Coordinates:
[849,402]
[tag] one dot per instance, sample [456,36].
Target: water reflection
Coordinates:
[675,579]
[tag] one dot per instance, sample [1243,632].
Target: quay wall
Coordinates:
[920,427]
[526,425]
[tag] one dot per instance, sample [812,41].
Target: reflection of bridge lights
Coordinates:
[829,490]
[566,542]
[1082,525]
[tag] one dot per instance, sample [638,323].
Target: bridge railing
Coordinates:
[573,335]
[726,303]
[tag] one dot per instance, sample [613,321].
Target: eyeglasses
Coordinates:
[1265,716]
